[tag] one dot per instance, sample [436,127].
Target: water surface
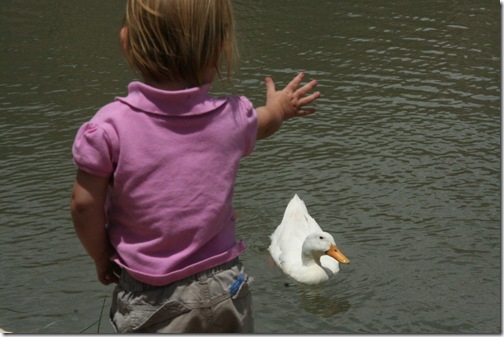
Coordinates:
[401,162]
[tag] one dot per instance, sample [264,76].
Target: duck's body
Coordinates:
[302,249]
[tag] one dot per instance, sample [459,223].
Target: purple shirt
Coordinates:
[173,157]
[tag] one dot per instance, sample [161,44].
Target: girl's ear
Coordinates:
[124,39]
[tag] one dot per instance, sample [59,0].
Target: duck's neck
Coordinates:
[312,271]
[310,259]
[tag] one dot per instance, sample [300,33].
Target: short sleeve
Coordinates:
[93,150]
[250,118]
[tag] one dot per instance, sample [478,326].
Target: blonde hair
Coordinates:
[180,40]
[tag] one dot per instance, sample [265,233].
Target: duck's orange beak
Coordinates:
[334,252]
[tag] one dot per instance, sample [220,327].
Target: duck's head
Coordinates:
[322,243]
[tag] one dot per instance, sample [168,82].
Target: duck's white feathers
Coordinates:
[286,235]
[287,242]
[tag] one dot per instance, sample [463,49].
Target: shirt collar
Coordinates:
[188,102]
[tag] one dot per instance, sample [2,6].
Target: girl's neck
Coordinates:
[210,76]
[168,86]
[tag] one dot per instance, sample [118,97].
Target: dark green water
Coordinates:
[402,162]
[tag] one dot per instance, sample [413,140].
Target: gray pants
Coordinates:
[217,300]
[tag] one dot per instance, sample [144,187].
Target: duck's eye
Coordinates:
[321,237]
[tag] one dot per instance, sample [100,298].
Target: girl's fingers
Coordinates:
[299,96]
[307,111]
[295,82]
[270,85]
[308,99]
[307,88]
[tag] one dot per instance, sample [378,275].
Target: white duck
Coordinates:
[302,249]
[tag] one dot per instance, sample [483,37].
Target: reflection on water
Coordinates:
[321,302]
[401,163]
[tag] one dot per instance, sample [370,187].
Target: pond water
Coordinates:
[402,161]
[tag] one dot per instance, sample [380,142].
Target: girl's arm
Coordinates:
[89,219]
[284,104]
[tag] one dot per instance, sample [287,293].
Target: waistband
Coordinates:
[206,274]
[129,283]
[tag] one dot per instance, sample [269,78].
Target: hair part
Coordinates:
[180,40]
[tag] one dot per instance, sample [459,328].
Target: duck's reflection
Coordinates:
[318,300]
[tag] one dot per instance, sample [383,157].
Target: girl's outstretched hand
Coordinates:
[284,104]
[291,100]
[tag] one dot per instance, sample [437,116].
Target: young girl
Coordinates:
[152,199]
